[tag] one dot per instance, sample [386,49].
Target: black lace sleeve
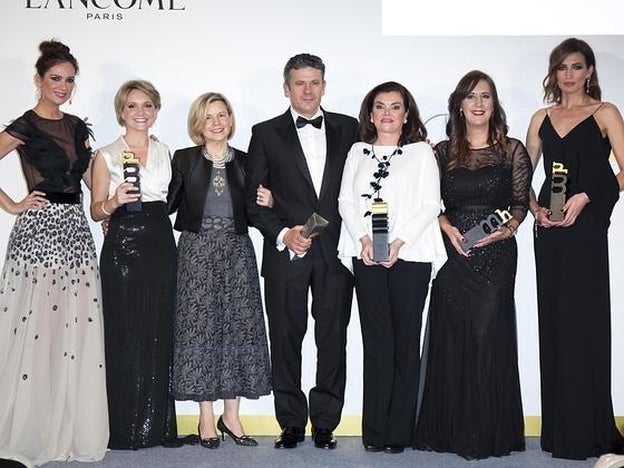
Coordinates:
[522,173]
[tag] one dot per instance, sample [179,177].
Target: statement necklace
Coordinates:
[218,162]
[383,166]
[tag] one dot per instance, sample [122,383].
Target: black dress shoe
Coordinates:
[374,448]
[323,438]
[209,443]
[290,437]
[394,449]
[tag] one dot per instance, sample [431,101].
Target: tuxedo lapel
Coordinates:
[289,137]
[332,161]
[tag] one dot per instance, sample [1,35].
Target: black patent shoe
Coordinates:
[394,449]
[243,440]
[323,438]
[210,442]
[290,437]
[374,448]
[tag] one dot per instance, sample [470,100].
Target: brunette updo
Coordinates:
[54,52]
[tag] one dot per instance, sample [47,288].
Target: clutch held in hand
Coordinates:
[314,225]
[132,175]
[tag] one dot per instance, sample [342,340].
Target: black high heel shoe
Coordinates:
[210,443]
[243,440]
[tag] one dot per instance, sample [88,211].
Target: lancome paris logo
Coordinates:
[106,10]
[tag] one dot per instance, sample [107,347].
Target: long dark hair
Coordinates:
[459,146]
[552,93]
[413,130]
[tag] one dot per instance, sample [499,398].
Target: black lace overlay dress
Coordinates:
[471,403]
[572,266]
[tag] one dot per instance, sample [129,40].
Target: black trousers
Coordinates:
[391,301]
[287,309]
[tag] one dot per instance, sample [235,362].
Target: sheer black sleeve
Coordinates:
[522,173]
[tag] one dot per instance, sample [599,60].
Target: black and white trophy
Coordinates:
[131,174]
[558,189]
[485,227]
[379,215]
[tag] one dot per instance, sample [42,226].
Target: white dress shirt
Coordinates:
[314,145]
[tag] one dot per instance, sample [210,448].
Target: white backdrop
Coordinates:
[239,47]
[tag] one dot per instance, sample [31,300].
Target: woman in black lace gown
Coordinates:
[572,258]
[471,403]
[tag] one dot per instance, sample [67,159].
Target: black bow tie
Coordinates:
[302,122]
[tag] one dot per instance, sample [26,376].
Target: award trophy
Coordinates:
[314,225]
[558,181]
[131,174]
[485,227]
[379,215]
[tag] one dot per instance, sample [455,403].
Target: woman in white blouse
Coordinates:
[393,165]
[138,268]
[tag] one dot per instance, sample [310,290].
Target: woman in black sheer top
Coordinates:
[471,404]
[52,376]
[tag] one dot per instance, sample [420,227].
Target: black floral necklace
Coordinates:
[383,169]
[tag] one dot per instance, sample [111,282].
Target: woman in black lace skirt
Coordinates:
[220,347]
[471,404]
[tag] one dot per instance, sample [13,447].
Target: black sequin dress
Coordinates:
[52,370]
[138,264]
[574,310]
[471,403]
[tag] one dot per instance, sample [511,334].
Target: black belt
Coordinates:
[60,197]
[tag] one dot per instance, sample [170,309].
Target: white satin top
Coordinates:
[155,175]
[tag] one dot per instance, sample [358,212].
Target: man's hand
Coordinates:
[295,241]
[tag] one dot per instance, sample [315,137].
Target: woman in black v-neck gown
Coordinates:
[571,258]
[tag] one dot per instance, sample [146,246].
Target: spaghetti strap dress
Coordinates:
[572,270]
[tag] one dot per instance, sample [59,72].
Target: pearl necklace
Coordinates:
[218,162]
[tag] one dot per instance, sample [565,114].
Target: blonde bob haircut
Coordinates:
[197,116]
[140,85]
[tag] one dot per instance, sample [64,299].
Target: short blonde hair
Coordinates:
[197,116]
[129,86]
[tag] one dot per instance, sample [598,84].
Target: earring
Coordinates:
[587,85]
[461,112]
[38,94]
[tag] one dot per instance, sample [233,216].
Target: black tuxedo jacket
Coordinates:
[276,160]
[190,181]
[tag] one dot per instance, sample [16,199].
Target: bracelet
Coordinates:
[104,209]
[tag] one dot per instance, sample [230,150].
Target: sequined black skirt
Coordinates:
[138,265]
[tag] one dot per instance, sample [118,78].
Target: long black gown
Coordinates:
[138,268]
[471,402]
[573,300]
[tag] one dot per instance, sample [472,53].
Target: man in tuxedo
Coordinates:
[299,156]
